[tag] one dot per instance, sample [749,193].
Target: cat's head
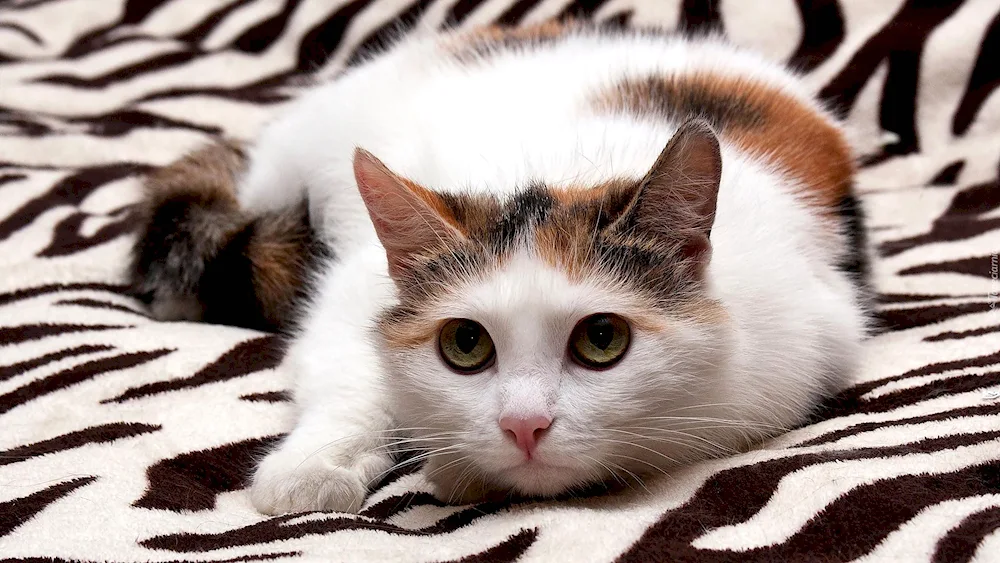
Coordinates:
[559,337]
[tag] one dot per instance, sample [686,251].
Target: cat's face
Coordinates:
[559,338]
[539,383]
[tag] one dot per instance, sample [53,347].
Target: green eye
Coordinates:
[466,346]
[600,340]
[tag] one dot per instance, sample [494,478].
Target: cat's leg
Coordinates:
[338,446]
[273,178]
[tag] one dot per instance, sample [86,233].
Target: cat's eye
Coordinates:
[466,346]
[600,340]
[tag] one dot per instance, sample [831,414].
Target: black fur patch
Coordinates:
[856,261]
[226,290]
[181,236]
[523,211]
[230,290]
[678,100]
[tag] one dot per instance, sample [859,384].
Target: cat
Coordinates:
[543,258]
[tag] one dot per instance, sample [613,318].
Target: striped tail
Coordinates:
[200,257]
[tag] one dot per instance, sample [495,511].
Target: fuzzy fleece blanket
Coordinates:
[124,439]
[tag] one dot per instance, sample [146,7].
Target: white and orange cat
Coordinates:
[545,257]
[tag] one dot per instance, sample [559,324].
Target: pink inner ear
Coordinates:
[403,213]
[699,249]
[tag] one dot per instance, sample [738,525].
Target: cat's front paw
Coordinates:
[285,483]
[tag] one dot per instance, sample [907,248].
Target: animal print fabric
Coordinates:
[123,439]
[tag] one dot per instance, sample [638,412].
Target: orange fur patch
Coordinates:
[703,310]
[760,119]
[563,245]
[565,239]
[279,253]
[435,202]
[568,196]
[412,334]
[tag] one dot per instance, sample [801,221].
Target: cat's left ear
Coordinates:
[408,218]
[676,200]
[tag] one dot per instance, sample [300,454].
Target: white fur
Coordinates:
[795,326]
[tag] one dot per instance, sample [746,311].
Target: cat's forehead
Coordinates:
[526,285]
[567,229]
[557,225]
[502,225]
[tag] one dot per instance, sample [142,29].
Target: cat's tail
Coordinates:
[200,257]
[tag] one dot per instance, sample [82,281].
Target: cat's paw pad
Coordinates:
[286,484]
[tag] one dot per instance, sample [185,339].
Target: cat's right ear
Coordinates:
[408,218]
[677,198]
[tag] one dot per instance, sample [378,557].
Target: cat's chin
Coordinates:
[537,479]
[532,479]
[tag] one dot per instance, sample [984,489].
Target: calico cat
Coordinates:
[543,257]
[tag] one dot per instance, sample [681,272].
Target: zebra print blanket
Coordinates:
[124,439]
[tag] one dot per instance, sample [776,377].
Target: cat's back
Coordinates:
[570,106]
[562,104]
[578,107]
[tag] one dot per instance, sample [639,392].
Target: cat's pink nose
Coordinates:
[526,431]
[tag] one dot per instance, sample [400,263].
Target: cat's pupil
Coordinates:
[601,332]
[466,337]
